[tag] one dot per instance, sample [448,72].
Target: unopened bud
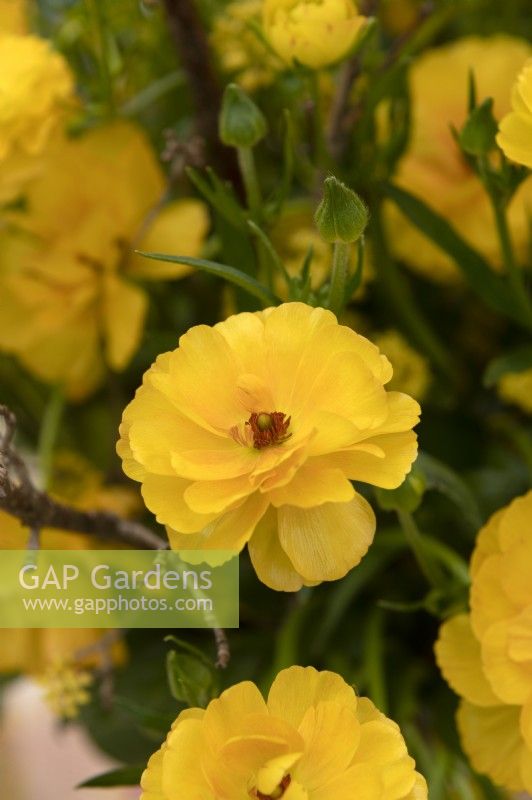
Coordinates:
[242,123]
[477,137]
[342,215]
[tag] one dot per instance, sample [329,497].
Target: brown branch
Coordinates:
[35,509]
[192,45]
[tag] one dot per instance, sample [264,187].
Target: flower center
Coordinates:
[269,428]
[277,793]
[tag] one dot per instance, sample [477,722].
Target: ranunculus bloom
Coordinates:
[515,130]
[516,387]
[68,307]
[13,16]
[313,739]
[252,431]
[486,655]
[434,168]
[33,651]
[315,33]
[411,372]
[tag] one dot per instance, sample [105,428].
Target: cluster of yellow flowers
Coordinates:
[486,655]
[313,739]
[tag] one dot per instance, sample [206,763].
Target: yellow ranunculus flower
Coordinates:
[516,387]
[434,168]
[486,655]
[411,372]
[67,305]
[515,129]
[76,483]
[36,88]
[239,48]
[13,16]
[312,739]
[252,431]
[315,33]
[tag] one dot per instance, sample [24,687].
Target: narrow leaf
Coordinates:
[230,274]
[490,286]
[123,776]
[516,361]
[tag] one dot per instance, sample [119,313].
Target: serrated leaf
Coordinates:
[491,287]
[123,776]
[516,361]
[230,274]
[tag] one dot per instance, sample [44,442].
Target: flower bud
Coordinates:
[477,137]
[311,33]
[242,123]
[342,215]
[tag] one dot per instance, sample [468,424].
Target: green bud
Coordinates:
[477,137]
[342,215]
[242,123]
[406,497]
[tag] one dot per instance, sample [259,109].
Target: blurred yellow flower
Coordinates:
[516,387]
[66,688]
[76,483]
[252,431]
[515,129]
[433,167]
[400,16]
[411,372]
[312,739]
[36,89]
[68,307]
[486,655]
[13,16]
[315,33]
[239,49]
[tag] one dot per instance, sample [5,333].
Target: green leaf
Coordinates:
[516,361]
[488,285]
[230,274]
[219,194]
[441,478]
[123,776]
[191,676]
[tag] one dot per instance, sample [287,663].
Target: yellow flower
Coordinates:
[13,16]
[35,87]
[400,16]
[66,688]
[433,167]
[486,655]
[76,483]
[68,307]
[252,431]
[315,33]
[239,49]
[313,739]
[411,372]
[515,129]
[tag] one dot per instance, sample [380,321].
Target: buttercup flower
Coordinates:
[515,129]
[34,651]
[239,48]
[66,689]
[252,431]
[411,373]
[434,168]
[315,33]
[486,655]
[313,739]
[68,307]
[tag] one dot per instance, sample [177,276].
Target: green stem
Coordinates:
[374,658]
[512,268]
[48,434]
[393,283]
[97,15]
[248,169]
[426,563]
[340,274]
